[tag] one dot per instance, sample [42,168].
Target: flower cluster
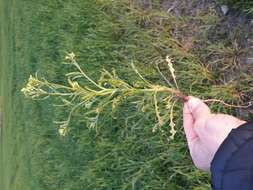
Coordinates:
[33,88]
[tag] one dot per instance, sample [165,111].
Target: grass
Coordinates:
[123,153]
[245,6]
[14,172]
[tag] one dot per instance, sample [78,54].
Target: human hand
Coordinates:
[205,131]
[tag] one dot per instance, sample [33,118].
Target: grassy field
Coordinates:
[15,139]
[123,153]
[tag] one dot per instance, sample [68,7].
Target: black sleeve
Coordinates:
[232,166]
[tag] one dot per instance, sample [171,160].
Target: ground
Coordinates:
[228,39]
[212,54]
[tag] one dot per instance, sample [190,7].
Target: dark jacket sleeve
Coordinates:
[232,166]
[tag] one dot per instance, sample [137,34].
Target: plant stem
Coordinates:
[229,105]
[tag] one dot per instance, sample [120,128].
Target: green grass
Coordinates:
[14,137]
[123,153]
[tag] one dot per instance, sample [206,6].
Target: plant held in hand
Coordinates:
[108,90]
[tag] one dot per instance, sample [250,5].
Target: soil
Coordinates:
[233,30]
[234,27]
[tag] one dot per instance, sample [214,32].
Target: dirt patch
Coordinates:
[222,41]
[187,7]
[234,29]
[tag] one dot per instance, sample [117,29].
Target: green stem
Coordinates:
[86,76]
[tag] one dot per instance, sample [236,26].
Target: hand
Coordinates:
[205,131]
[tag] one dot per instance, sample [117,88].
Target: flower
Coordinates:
[33,88]
[70,56]
[63,130]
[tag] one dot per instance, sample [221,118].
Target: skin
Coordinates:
[205,131]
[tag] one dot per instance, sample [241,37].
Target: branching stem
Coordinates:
[229,105]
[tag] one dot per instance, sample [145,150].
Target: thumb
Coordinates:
[198,108]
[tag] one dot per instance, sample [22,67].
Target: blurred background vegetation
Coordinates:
[243,5]
[124,153]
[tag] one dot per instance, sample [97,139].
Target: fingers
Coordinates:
[198,108]
[194,110]
[188,122]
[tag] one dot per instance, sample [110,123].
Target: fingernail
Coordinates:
[193,103]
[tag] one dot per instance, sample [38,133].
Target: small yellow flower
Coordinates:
[70,56]
[63,130]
